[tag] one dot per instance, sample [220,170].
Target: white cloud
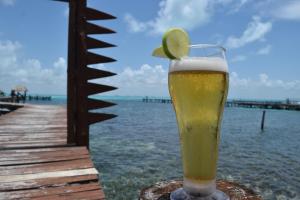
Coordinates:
[14,70]
[235,80]
[256,30]
[263,80]
[238,58]
[146,80]
[30,72]
[60,66]
[265,50]
[263,87]
[288,10]
[187,14]
[7,2]
[153,81]
[7,52]
[134,25]
[146,74]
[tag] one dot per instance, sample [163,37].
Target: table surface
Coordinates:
[162,190]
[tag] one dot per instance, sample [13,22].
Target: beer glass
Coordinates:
[198,86]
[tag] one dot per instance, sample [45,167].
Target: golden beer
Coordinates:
[198,99]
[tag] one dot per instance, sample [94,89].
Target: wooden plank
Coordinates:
[49,191]
[35,145]
[90,195]
[43,132]
[35,137]
[46,167]
[49,182]
[41,127]
[45,175]
[42,160]
[33,140]
[42,154]
[58,149]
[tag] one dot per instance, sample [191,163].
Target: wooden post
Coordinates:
[263,120]
[79,73]
[82,127]
[71,79]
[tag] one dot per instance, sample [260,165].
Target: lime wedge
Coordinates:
[176,43]
[159,52]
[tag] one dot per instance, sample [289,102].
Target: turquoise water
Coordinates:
[141,147]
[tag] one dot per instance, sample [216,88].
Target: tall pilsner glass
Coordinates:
[198,85]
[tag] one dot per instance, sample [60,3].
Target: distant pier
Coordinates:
[279,105]
[36,97]
[263,104]
[27,98]
[156,100]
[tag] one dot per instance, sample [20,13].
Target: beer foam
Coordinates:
[199,63]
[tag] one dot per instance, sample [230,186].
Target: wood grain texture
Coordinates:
[37,163]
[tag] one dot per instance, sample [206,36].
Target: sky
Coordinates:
[261,38]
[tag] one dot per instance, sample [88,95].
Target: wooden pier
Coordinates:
[37,163]
[5,99]
[38,98]
[8,107]
[241,103]
[156,100]
[44,149]
[27,98]
[263,105]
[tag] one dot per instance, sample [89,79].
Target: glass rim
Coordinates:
[203,46]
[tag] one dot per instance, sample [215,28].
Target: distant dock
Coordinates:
[156,100]
[36,97]
[279,105]
[27,98]
[263,104]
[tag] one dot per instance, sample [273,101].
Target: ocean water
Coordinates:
[141,147]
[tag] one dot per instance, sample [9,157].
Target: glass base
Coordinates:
[181,194]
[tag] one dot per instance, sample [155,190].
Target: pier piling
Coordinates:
[263,120]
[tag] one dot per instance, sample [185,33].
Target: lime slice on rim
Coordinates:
[175,43]
[159,52]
